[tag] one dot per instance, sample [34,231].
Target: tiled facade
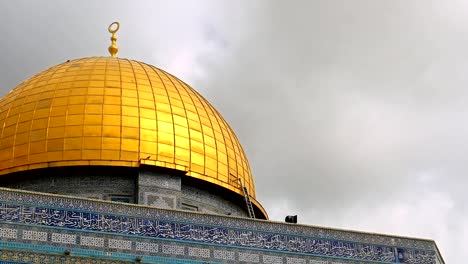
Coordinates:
[45,225]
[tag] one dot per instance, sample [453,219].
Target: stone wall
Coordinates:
[207,202]
[170,191]
[159,189]
[163,189]
[94,182]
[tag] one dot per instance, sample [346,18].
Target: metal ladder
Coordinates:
[247,200]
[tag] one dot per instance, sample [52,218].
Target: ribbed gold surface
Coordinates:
[119,112]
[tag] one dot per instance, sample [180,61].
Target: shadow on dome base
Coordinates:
[147,185]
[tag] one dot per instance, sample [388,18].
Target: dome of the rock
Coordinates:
[104,111]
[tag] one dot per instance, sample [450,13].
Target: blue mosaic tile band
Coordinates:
[59,201]
[208,234]
[94,254]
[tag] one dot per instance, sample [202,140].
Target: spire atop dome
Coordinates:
[113,49]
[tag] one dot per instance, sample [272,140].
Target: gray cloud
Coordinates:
[352,113]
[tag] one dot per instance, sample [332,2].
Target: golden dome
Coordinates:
[118,112]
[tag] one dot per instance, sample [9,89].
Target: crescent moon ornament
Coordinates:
[113,49]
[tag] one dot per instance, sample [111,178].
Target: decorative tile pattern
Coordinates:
[120,244]
[190,232]
[34,235]
[199,252]
[218,234]
[92,241]
[249,257]
[159,200]
[17,257]
[268,259]
[63,238]
[414,256]
[313,261]
[173,250]
[290,260]
[147,247]
[8,233]
[267,226]
[224,255]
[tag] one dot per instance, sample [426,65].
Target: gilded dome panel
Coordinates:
[119,112]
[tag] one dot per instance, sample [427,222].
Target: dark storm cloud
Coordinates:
[352,113]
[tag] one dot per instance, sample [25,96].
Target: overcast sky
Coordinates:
[353,114]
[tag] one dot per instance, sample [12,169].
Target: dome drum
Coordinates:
[147,185]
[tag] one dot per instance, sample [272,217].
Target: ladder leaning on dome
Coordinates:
[247,199]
